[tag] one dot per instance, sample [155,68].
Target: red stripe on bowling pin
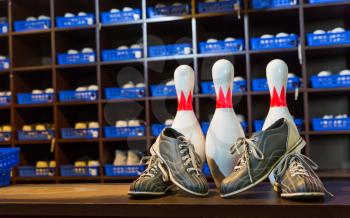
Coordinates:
[222,101]
[278,100]
[185,104]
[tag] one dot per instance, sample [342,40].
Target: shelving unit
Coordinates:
[33,58]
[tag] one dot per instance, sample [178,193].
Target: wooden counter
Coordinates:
[99,200]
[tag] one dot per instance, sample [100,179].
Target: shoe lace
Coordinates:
[153,168]
[250,148]
[190,158]
[296,163]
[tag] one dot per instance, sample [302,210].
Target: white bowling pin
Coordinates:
[224,127]
[185,120]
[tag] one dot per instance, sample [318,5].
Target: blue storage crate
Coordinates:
[76,21]
[80,58]
[69,96]
[119,93]
[205,126]
[238,86]
[221,46]
[72,133]
[4,28]
[120,16]
[325,1]
[332,81]
[157,129]
[69,170]
[170,50]
[328,38]
[206,170]
[35,135]
[5,64]
[5,177]
[172,10]
[29,98]
[320,124]
[124,170]
[5,136]
[163,90]
[217,7]
[29,171]
[5,100]
[9,157]
[290,41]
[121,54]
[123,132]
[258,124]
[261,84]
[259,4]
[23,25]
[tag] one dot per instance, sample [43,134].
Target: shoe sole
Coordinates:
[303,195]
[136,193]
[300,144]
[175,182]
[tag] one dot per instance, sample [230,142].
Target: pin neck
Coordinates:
[278,100]
[185,104]
[222,101]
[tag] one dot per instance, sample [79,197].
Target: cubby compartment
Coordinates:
[161,44]
[162,113]
[5,126]
[33,50]
[114,12]
[330,152]
[212,38]
[4,48]
[4,23]
[118,45]
[168,8]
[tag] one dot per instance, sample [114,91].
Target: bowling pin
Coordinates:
[224,128]
[185,120]
[277,77]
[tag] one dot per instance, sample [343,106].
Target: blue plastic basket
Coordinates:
[290,41]
[120,16]
[23,25]
[172,10]
[80,58]
[259,4]
[216,7]
[5,100]
[9,157]
[35,135]
[123,132]
[320,124]
[77,21]
[157,129]
[5,177]
[206,170]
[4,28]
[69,170]
[69,96]
[119,93]
[170,50]
[72,133]
[119,55]
[328,38]
[205,126]
[261,84]
[124,170]
[5,136]
[221,46]
[29,98]
[332,81]
[29,171]
[325,1]
[239,86]
[5,64]
[258,124]
[163,90]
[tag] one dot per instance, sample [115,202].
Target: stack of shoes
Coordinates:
[175,163]
[273,151]
[130,157]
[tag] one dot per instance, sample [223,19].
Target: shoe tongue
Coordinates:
[171,133]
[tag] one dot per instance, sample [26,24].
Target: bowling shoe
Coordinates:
[153,181]
[182,162]
[295,178]
[261,154]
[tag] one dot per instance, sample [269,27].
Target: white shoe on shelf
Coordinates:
[120,158]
